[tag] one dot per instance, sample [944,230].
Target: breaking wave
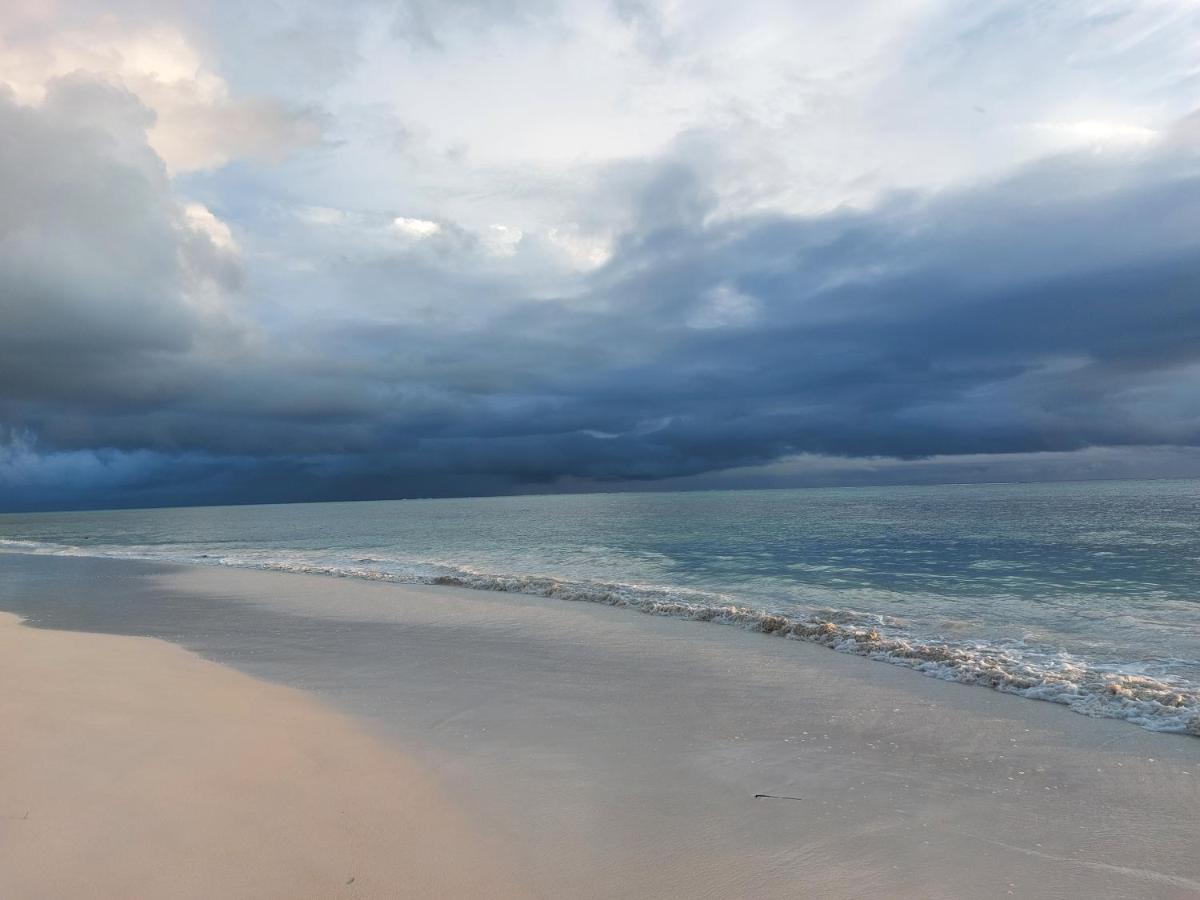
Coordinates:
[1158,704]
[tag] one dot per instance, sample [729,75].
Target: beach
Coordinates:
[418,739]
[132,768]
[636,450]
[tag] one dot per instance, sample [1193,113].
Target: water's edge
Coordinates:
[1154,704]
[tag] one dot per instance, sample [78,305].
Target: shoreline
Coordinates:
[134,768]
[619,756]
[1089,689]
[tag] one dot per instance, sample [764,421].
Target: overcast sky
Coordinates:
[304,250]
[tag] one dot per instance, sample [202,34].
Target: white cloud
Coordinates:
[501,240]
[324,215]
[415,228]
[584,251]
[783,107]
[200,218]
[1093,133]
[197,123]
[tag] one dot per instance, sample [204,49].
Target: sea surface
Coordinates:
[1085,594]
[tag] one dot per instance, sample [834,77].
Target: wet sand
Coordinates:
[614,754]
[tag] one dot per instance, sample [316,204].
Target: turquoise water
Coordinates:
[1087,594]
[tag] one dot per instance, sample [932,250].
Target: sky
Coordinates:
[299,251]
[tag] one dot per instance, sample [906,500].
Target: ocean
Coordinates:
[1085,594]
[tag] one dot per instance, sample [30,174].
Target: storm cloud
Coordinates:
[264,330]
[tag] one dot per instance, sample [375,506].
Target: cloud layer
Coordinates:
[423,277]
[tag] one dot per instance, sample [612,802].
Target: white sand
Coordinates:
[605,753]
[130,768]
[621,752]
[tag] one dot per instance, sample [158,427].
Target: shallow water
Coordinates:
[1085,593]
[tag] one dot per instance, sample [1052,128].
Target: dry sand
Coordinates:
[132,768]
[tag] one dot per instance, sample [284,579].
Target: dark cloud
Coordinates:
[1053,310]
[106,287]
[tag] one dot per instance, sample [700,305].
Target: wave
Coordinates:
[1158,704]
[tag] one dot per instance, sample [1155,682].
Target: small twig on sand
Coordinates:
[774,797]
